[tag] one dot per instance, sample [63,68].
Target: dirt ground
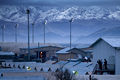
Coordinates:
[47,75]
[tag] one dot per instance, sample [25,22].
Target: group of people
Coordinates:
[100,63]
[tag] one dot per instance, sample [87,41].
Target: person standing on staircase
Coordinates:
[100,64]
[105,64]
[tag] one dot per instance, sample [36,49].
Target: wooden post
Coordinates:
[35,69]
[49,69]
[1,74]
[24,67]
[19,66]
[41,69]
[14,65]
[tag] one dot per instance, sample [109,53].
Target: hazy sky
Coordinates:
[61,2]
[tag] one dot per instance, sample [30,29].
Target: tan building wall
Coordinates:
[76,53]
[66,56]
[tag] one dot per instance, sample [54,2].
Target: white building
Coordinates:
[109,49]
[6,56]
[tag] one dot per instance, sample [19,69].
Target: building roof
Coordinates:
[114,42]
[88,51]
[6,53]
[67,50]
[63,51]
[78,49]
[83,46]
[37,47]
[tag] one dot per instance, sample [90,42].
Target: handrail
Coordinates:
[94,69]
[111,67]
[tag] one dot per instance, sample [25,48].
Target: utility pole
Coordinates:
[45,22]
[28,12]
[16,26]
[71,20]
[33,32]
[3,28]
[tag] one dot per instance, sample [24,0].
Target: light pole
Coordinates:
[16,26]
[33,32]
[45,22]
[3,28]
[28,12]
[71,20]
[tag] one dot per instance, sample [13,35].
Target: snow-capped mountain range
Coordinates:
[89,22]
[38,14]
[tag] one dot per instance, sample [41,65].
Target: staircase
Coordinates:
[110,70]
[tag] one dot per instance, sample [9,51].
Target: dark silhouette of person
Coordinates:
[105,63]
[100,64]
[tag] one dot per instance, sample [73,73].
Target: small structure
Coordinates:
[0,49]
[109,49]
[66,54]
[50,51]
[5,56]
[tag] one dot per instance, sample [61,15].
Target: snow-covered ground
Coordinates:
[12,70]
[23,78]
[25,74]
[33,65]
[81,68]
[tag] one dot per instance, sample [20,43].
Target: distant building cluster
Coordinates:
[104,53]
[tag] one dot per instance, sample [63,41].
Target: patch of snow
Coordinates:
[81,68]
[63,51]
[6,53]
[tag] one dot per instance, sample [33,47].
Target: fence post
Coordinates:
[41,69]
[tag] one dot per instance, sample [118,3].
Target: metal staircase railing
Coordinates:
[95,68]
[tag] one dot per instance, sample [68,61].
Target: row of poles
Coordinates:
[3,31]
[16,32]
[45,22]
